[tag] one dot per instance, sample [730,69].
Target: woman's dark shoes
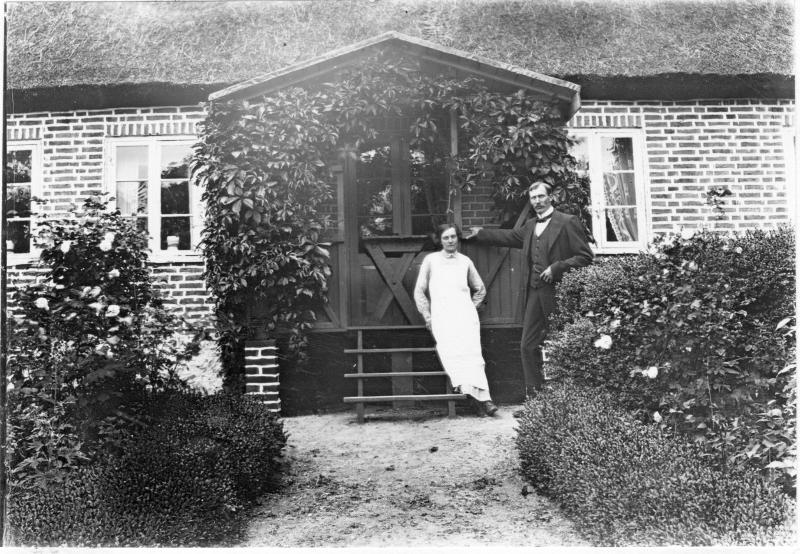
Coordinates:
[489,408]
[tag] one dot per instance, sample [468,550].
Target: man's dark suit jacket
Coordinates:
[566,245]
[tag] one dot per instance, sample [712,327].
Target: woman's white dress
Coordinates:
[455,290]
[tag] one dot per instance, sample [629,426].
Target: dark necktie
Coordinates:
[545,218]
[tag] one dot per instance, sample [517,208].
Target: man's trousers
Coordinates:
[540,304]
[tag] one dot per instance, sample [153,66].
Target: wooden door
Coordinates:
[395,195]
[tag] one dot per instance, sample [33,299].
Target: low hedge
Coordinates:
[624,484]
[181,480]
[701,328]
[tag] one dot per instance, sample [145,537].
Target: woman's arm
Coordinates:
[475,284]
[421,289]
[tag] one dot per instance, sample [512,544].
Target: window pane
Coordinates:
[174,197]
[18,166]
[580,150]
[429,191]
[18,236]
[132,197]
[175,227]
[622,225]
[374,186]
[175,160]
[18,200]
[619,189]
[131,163]
[617,153]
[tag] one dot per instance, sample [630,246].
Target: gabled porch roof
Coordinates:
[567,94]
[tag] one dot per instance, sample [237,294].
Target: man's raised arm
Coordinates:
[512,238]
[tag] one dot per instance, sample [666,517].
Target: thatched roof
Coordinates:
[57,44]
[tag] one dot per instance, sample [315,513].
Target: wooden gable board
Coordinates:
[567,93]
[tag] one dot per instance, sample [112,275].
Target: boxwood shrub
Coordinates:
[626,484]
[182,479]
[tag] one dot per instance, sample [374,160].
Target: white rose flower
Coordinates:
[109,237]
[687,234]
[86,290]
[614,324]
[738,249]
[651,372]
[113,273]
[104,246]
[10,386]
[603,342]
[692,266]
[127,320]
[112,311]
[113,340]
[42,303]
[65,246]
[94,292]
[775,412]
[96,306]
[657,417]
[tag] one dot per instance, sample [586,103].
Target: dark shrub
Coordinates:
[625,484]
[691,328]
[181,479]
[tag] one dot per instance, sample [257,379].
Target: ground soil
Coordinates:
[406,477]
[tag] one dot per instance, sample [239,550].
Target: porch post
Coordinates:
[261,369]
[454,152]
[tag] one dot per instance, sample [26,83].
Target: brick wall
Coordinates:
[73,143]
[692,146]
[72,166]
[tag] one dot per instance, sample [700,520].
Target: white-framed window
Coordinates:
[148,177]
[22,176]
[614,161]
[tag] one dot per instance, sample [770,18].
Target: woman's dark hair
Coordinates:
[437,239]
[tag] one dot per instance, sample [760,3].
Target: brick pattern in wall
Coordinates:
[73,143]
[184,291]
[262,379]
[73,162]
[691,147]
[694,146]
[180,284]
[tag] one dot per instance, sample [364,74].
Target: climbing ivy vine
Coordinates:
[264,166]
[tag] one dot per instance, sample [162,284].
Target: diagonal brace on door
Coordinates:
[393,277]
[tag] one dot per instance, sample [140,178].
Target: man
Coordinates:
[553,243]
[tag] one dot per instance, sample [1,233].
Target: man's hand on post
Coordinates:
[473,232]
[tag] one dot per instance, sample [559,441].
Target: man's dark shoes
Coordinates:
[489,408]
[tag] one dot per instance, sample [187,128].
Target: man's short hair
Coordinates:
[538,184]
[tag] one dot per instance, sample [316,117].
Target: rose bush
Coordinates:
[693,333]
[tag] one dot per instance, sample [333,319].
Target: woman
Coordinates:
[455,290]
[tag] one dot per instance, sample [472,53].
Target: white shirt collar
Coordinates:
[547,212]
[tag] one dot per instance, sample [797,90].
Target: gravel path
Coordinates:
[410,478]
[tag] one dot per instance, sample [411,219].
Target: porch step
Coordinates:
[359,399]
[387,350]
[402,380]
[394,374]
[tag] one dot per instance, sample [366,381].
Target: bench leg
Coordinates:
[360,412]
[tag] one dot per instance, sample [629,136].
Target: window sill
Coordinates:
[166,257]
[21,259]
